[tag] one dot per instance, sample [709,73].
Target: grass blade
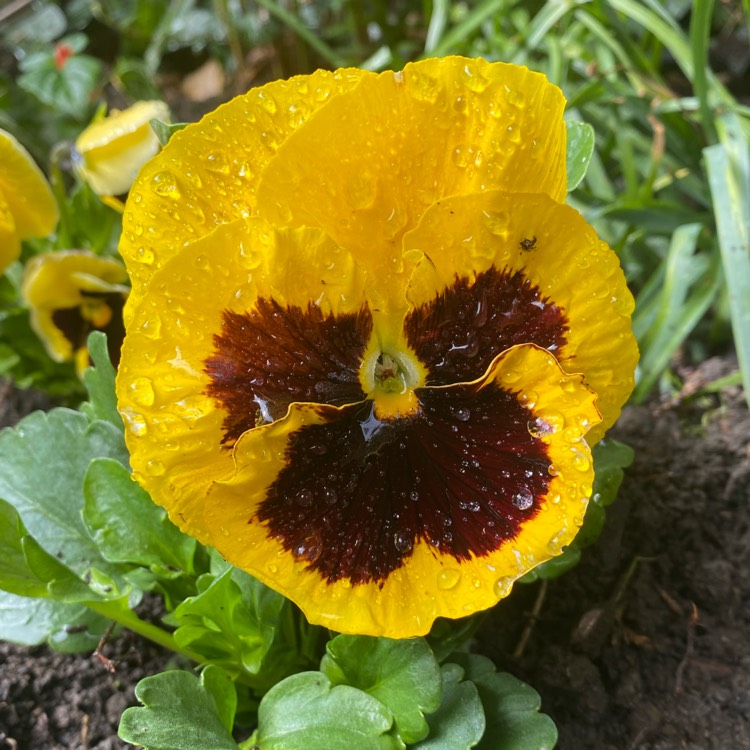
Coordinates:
[728,166]
[690,285]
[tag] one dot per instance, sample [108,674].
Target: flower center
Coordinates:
[395,375]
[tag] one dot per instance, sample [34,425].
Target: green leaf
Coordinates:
[307,712]
[65,627]
[100,383]
[233,622]
[68,89]
[511,708]
[580,149]
[182,712]
[165,130]
[459,722]
[15,574]
[127,525]
[403,675]
[49,501]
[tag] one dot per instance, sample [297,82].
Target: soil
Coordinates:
[641,647]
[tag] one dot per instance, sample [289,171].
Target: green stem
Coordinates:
[129,619]
[299,28]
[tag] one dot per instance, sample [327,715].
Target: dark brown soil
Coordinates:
[642,647]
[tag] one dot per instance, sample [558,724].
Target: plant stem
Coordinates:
[129,619]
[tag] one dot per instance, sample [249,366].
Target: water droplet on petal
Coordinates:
[581,461]
[462,414]
[142,391]
[502,587]
[135,423]
[305,498]
[523,500]
[448,578]
[402,543]
[164,183]
[475,81]
[155,468]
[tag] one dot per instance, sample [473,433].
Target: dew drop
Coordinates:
[553,470]
[305,498]
[155,468]
[134,422]
[151,328]
[528,398]
[581,461]
[568,385]
[448,578]
[462,414]
[142,391]
[497,222]
[502,587]
[267,102]
[402,543]
[523,500]
[164,183]
[475,81]
[145,255]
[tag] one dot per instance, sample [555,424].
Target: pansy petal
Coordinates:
[10,245]
[110,151]
[69,294]
[380,530]
[225,336]
[25,190]
[368,165]
[498,270]
[208,173]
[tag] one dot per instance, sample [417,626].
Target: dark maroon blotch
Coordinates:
[273,355]
[76,328]
[458,334]
[358,493]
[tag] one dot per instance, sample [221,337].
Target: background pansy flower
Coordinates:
[111,150]
[27,205]
[71,293]
[366,362]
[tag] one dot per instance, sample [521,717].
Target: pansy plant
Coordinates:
[368,346]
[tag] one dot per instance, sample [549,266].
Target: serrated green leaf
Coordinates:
[182,712]
[100,383]
[403,675]
[511,708]
[307,712]
[50,502]
[580,149]
[459,722]
[127,525]
[65,627]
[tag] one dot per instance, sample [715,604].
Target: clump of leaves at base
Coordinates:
[369,694]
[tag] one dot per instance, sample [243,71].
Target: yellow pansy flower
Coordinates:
[71,293]
[368,347]
[110,152]
[27,205]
